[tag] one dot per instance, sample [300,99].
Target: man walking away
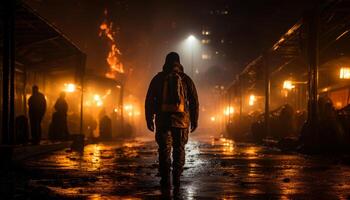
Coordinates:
[172,103]
[37,108]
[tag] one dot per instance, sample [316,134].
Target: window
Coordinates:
[205,56]
[205,41]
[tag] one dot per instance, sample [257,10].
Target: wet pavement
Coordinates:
[215,169]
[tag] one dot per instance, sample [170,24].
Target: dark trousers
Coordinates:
[35,128]
[167,139]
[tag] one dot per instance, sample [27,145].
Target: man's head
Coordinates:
[172,60]
[62,95]
[35,89]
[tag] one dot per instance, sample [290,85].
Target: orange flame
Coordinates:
[115,65]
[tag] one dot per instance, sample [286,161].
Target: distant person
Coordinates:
[105,127]
[37,108]
[172,103]
[58,129]
[61,104]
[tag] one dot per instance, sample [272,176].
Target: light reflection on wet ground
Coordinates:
[215,169]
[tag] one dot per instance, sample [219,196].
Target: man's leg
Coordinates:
[33,130]
[180,138]
[163,138]
[39,130]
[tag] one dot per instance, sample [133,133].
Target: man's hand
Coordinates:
[150,126]
[193,127]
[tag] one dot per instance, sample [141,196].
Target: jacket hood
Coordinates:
[167,68]
[172,63]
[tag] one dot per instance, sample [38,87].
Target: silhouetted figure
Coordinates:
[105,128]
[58,128]
[171,102]
[37,108]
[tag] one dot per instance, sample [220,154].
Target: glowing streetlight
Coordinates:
[128,107]
[69,87]
[229,110]
[288,85]
[98,100]
[344,73]
[191,41]
[191,38]
[252,99]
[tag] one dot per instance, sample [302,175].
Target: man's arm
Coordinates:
[150,104]
[193,104]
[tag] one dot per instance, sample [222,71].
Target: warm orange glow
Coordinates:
[229,110]
[344,73]
[128,107]
[288,85]
[252,100]
[98,100]
[69,87]
[213,119]
[113,60]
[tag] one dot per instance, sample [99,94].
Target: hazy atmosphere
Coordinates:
[158,99]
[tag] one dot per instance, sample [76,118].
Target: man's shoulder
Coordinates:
[158,76]
[41,95]
[186,77]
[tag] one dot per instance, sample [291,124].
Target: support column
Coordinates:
[240,85]
[82,84]
[267,94]
[8,72]
[313,62]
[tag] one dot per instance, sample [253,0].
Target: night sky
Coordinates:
[148,29]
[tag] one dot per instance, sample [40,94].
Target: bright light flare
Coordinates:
[288,85]
[98,100]
[191,38]
[213,119]
[344,73]
[128,107]
[252,100]
[69,87]
[229,110]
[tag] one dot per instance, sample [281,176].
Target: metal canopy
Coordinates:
[40,46]
[291,47]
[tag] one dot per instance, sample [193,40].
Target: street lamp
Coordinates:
[252,100]
[288,85]
[344,73]
[69,87]
[191,41]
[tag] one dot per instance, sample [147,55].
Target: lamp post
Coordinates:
[191,42]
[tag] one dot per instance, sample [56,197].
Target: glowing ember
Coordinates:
[115,65]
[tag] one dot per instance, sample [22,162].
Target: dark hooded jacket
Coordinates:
[154,101]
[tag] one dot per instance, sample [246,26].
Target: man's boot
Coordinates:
[176,181]
[165,182]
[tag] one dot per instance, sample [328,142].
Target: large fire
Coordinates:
[115,65]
